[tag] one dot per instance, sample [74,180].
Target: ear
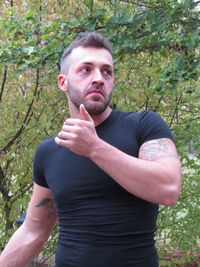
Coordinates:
[62,82]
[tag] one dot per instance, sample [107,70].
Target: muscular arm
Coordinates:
[29,239]
[155,176]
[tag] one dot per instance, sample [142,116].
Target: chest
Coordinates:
[76,178]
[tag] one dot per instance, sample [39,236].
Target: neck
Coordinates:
[98,119]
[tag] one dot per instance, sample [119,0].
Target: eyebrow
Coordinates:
[91,64]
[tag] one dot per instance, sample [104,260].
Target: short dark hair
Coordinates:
[87,39]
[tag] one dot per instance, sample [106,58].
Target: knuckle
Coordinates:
[61,134]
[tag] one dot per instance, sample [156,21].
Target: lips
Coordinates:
[96,92]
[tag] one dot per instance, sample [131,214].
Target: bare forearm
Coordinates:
[22,248]
[149,180]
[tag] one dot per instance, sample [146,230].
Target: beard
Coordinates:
[96,105]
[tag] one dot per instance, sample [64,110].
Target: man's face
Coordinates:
[90,78]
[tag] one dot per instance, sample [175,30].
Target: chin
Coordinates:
[95,110]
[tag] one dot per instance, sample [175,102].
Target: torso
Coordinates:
[101,224]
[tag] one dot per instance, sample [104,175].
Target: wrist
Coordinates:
[99,150]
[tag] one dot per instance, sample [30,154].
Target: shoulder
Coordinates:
[152,126]
[46,149]
[125,115]
[47,145]
[149,114]
[149,117]
[47,142]
[140,117]
[44,158]
[124,120]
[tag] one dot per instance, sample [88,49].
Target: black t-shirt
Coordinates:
[101,224]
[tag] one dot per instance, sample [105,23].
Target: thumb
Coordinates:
[85,115]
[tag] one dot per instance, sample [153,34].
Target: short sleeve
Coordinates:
[38,173]
[151,126]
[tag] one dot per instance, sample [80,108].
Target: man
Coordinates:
[103,175]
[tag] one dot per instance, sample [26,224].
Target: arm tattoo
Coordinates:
[157,149]
[43,202]
[50,203]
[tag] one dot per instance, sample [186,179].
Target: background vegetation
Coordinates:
[157,64]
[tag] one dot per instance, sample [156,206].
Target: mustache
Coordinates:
[98,87]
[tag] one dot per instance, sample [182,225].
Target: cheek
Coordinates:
[110,85]
[82,82]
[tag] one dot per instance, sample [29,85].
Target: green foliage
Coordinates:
[182,220]
[157,62]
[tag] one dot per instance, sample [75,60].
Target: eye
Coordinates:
[107,72]
[85,70]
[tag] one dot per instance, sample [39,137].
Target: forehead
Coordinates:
[96,56]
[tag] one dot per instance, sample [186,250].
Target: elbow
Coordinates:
[42,236]
[172,185]
[171,199]
[172,194]
[37,233]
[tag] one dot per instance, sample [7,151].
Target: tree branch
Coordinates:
[91,8]
[3,82]
[26,119]
[2,179]
[175,111]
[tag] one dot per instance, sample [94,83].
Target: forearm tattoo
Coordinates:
[50,203]
[157,149]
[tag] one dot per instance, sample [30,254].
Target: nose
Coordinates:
[97,77]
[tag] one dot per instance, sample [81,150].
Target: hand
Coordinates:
[78,135]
